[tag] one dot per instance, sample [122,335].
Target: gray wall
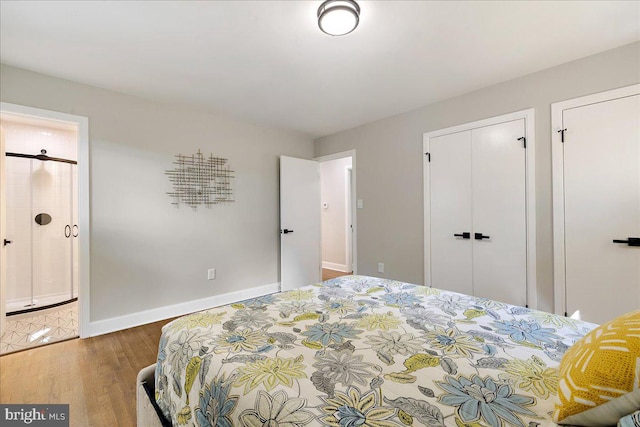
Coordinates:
[389,152]
[145,253]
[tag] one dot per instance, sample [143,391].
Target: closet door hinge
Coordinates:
[561,132]
[524,141]
[428,157]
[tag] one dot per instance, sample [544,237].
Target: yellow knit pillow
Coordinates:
[600,375]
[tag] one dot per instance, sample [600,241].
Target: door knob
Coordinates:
[7,242]
[479,236]
[285,231]
[631,241]
[464,235]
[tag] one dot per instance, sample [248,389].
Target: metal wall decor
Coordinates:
[199,180]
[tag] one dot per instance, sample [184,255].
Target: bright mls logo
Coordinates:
[36,415]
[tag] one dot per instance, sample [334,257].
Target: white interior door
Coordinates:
[602,204]
[300,230]
[499,220]
[451,214]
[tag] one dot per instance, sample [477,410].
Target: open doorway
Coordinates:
[337,214]
[41,228]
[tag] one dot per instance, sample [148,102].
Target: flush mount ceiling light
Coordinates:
[338,17]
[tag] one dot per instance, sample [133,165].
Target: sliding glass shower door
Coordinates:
[42,227]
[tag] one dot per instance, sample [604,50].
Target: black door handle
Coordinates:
[464,235]
[631,241]
[75,231]
[285,231]
[7,242]
[479,236]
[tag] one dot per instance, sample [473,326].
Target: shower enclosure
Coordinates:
[42,231]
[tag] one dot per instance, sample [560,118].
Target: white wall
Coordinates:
[145,253]
[391,231]
[333,183]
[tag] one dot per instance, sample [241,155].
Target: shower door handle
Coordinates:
[7,242]
[75,231]
[67,231]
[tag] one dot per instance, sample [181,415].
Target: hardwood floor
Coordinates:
[332,274]
[95,376]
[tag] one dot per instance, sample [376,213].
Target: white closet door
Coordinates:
[499,197]
[602,203]
[451,212]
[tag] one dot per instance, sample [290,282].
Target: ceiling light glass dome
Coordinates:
[338,17]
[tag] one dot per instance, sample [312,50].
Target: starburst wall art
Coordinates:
[199,180]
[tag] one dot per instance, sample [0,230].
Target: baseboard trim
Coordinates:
[334,266]
[114,324]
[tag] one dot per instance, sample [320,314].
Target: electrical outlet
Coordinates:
[360,204]
[380,267]
[211,274]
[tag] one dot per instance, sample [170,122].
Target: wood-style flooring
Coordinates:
[95,376]
[332,274]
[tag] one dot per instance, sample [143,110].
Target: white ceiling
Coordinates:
[267,61]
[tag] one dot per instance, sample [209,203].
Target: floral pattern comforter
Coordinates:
[361,351]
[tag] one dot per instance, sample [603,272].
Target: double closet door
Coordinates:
[476,202]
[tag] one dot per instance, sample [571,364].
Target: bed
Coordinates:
[358,351]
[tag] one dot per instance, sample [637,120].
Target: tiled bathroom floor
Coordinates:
[40,327]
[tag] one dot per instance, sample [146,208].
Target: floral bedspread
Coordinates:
[362,351]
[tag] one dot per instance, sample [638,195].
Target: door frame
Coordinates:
[557,167]
[84,241]
[354,235]
[528,116]
[349,216]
